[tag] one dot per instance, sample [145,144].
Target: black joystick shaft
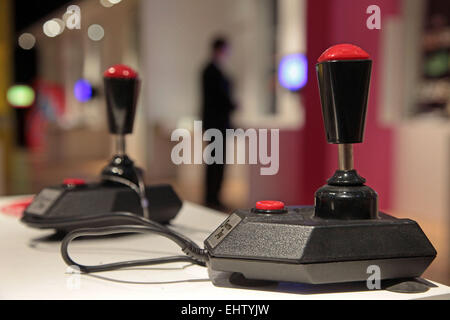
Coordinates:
[344,78]
[121,90]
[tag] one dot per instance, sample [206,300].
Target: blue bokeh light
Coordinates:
[293,72]
[83,90]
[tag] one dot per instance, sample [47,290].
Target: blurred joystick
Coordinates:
[344,79]
[122,187]
[121,90]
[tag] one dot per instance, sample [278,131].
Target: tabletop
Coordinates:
[32,268]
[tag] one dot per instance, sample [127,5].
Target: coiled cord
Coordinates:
[194,254]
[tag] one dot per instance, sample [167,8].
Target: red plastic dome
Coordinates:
[344,52]
[270,205]
[121,71]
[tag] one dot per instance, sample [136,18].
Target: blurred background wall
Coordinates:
[406,154]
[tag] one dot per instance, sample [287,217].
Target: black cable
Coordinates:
[113,219]
[138,188]
[194,254]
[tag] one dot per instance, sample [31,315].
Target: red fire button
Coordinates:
[74,182]
[270,205]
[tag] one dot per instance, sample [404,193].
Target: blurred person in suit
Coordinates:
[217,107]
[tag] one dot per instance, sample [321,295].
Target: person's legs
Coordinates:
[212,178]
[214,181]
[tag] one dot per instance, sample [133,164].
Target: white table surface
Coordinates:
[33,269]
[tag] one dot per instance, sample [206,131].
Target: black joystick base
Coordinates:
[293,245]
[346,197]
[121,166]
[63,207]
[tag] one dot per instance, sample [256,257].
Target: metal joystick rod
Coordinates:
[344,78]
[121,90]
[120,145]
[346,162]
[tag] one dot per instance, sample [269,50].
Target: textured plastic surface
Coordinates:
[289,247]
[320,273]
[344,91]
[62,203]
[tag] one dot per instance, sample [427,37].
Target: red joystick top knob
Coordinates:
[270,205]
[120,71]
[343,52]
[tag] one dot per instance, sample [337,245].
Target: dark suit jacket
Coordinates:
[217,103]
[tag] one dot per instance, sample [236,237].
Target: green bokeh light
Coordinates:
[20,96]
[437,65]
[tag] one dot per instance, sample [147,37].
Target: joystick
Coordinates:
[344,234]
[344,79]
[121,88]
[121,188]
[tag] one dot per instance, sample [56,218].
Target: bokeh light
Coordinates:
[96,32]
[83,90]
[20,96]
[53,28]
[293,72]
[106,3]
[27,41]
[109,3]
